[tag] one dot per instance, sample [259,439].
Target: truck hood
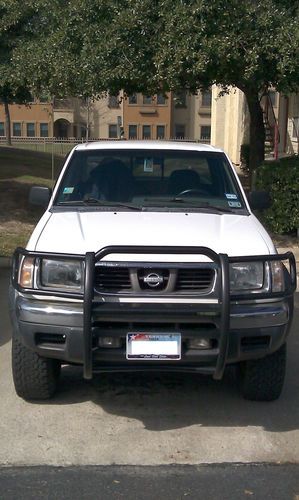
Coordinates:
[79,232]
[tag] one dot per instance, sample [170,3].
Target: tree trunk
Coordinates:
[256,130]
[7,122]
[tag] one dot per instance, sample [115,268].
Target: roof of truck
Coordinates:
[147,144]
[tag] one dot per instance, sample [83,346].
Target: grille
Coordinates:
[194,279]
[112,279]
[118,279]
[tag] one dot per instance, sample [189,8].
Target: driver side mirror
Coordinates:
[259,200]
[40,195]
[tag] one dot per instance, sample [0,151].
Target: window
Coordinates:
[160,131]
[205,133]
[30,129]
[113,131]
[44,98]
[161,99]
[17,129]
[132,131]
[147,99]
[146,132]
[295,132]
[179,131]
[133,99]
[150,177]
[44,129]
[113,101]
[180,99]
[206,98]
[2,129]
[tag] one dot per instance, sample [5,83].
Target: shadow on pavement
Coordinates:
[166,401]
[5,330]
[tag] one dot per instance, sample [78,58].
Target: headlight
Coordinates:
[246,276]
[61,274]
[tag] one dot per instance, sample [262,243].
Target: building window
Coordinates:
[179,131]
[133,99]
[2,129]
[146,132]
[44,129]
[160,131]
[113,101]
[161,99]
[17,129]
[147,99]
[132,131]
[206,98]
[44,98]
[180,99]
[295,132]
[112,131]
[205,133]
[30,129]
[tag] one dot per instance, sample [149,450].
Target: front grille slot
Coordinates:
[50,338]
[195,279]
[112,279]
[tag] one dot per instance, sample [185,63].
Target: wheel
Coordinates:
[262,379]
[34,377]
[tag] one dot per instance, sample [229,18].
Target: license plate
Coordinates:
[154,346]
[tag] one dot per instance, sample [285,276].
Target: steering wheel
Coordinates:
[190,192]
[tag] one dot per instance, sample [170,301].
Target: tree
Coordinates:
[21,24]
[174,44]
[160,45]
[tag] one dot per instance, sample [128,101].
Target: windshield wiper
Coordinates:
[101,203]
[206,205]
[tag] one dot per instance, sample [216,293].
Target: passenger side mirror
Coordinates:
[259,200]
[40,195]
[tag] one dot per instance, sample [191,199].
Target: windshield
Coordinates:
[136,179]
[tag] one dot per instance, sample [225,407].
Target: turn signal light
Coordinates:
[26,273]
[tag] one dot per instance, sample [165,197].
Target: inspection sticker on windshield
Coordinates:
[148,165]
[234,204]
[153,346]
[68,190]
[231,196]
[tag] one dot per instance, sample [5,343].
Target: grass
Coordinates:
[19,170]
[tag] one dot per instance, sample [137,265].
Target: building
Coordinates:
[32,120]
[205,117]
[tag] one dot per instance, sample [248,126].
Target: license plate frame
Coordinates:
[148,346]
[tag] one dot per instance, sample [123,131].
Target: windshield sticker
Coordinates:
[148,165]
[234,204]
[231,196]
[68,190]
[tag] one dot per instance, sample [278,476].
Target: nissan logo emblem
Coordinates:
[153,279]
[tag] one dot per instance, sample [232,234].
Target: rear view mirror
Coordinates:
[40,195]
[259,200]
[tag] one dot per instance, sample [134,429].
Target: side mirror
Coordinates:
[40,196]
[259,200]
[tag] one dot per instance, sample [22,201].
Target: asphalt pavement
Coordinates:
[147,433]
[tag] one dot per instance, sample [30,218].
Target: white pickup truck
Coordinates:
[148,257]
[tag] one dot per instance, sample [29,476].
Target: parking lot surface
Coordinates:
[145,419]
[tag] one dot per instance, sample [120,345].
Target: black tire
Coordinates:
[262,379]
[34,377]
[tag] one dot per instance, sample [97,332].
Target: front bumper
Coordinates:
[70,330]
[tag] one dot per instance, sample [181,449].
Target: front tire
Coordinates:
[34,377]
[262,379]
